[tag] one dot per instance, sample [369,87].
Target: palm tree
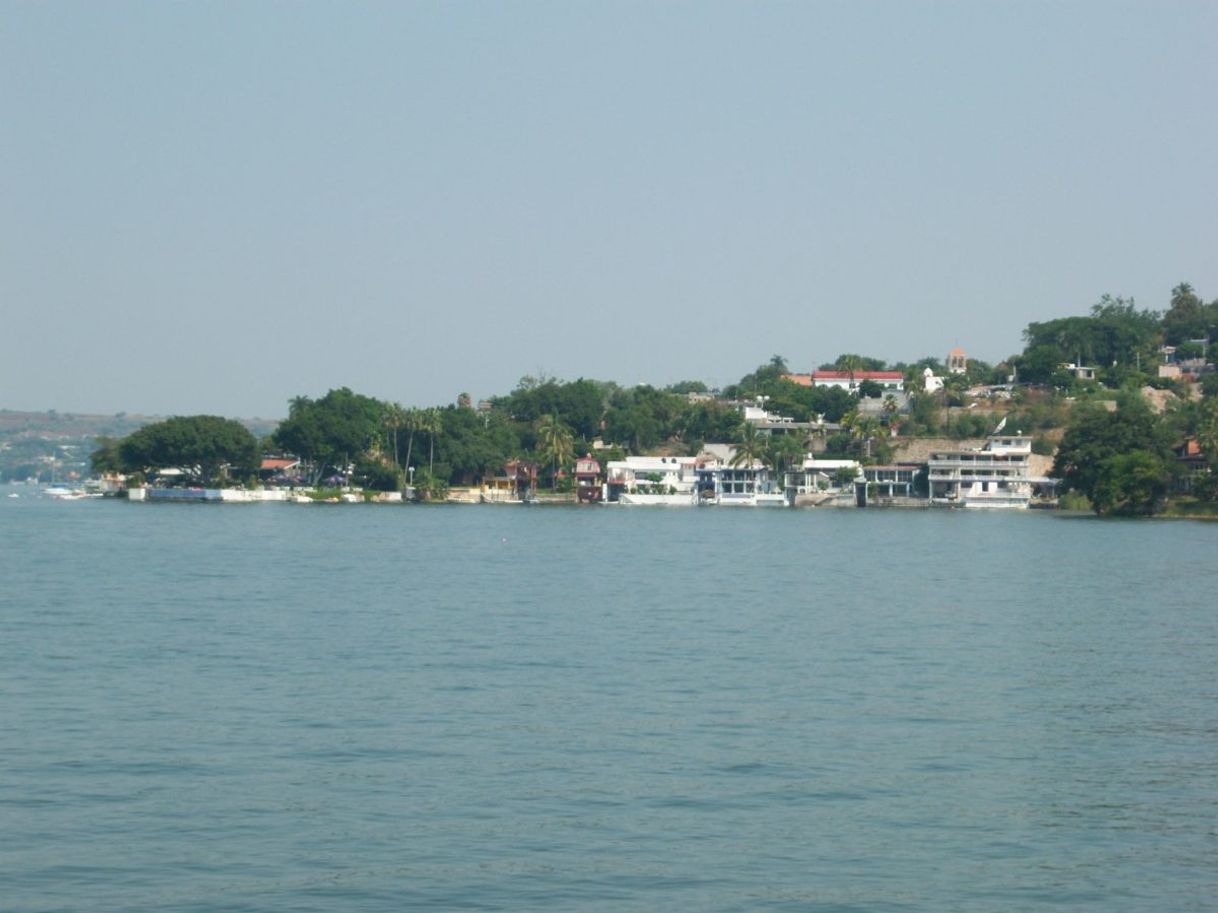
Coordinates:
[783,451]
[862,428]
[554,440]
[851,420]
[433,424]
[866,429]
[890,412]
[751,449]
[394,421]
[412,421]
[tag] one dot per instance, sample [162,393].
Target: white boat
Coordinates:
[62,492]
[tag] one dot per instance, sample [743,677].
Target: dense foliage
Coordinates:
[204,448]
[1120,460]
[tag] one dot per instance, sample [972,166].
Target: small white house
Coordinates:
[930,382]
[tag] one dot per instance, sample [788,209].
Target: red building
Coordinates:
[588,487]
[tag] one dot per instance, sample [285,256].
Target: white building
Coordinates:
[814,476]
[744,486]
[995,476]
[651,475]
[930,382]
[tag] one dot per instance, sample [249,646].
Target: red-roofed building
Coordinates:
[588,488]
[849,380]
[957,361]
[279,464]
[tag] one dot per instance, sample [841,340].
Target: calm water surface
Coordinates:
[299,708]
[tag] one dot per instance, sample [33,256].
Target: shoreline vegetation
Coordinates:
[1120,404]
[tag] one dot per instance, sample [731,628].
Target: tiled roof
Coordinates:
[857,375]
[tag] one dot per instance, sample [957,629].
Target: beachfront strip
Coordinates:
[996,475]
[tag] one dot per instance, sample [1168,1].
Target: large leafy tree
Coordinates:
[1130,483]
[1188,317]
[581,404]
[1115,333]
[759,382]
[475,445]
[331,431]
[642,417]
[698,423]
[203,447]
[1087,457]
[107,457]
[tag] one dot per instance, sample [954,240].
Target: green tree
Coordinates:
[870,389]
[332,431]
[1130,483]
[1114,334]
[686,386]
[431,422]
[107,457]
[394,421]
[853,362]
[784,451]
[204,447]
[751,448]
[760,381]
[1187,317]
[554,443]
[412,421]
[476,444]
[1095,436]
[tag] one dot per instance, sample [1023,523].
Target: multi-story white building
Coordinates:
[996,476]
[651,479]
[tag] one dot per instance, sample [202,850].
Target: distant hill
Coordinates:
[58,444]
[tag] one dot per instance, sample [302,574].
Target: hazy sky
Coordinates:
[213,207]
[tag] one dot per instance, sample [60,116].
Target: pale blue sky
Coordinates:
[213,207]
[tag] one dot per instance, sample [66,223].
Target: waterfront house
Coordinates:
[517,482]
[894,481]
[744,486]
[651,475]
[588,486]
[1191,463]
[279,469]
[996,476]
[816,481]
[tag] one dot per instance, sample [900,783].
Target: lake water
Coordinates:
[382,708]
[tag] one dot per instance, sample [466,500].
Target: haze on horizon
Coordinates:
[214,208]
